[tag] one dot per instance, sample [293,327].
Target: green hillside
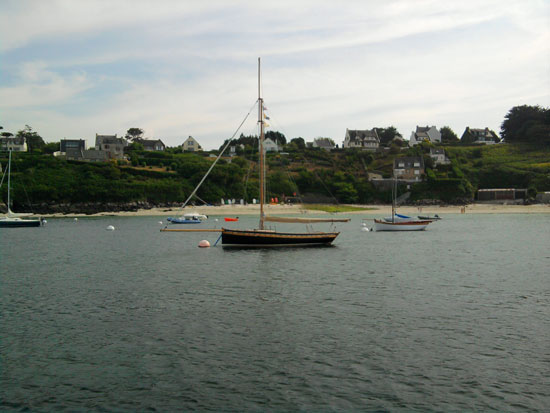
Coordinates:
[163,178]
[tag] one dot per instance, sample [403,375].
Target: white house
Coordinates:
[191,145]
[270,146]
[363,139]
[439,157]
[15,144]
[429,133]
[479,136]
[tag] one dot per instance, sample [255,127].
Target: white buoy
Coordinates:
[160,222]
[76,219]
[365,229]
[364,224]
[44,221]
[216,220]
[204,244]
[110,228]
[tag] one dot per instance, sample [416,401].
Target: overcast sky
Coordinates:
[74,68]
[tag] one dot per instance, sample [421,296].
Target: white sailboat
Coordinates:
[399,222]
[12,219]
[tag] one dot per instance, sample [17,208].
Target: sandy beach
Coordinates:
[236,210]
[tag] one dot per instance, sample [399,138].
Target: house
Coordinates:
[111,144]
[439,157]
[422,133]
[15,144]
[409,168]
[479,136]
[151,145]
[66,144]
[324,143]
[270,146]
[233,149]
[191,145]
[364,139]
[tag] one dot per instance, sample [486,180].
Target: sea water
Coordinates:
[454,318]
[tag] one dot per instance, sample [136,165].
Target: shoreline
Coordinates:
[236,210]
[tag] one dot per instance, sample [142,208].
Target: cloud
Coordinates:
[36,85]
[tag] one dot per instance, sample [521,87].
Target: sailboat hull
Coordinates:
[19,223]
[383,225]
[258,238]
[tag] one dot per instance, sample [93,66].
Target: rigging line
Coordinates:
[328,190]
[295,185]
[218,158]
[3,176]
[202,200]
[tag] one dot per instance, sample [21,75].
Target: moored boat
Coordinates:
[399,222]
[263,237]
[413,225]
[12,219]
[428,218]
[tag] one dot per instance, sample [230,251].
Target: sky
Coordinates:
[71,69]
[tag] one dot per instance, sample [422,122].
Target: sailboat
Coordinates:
[12,219]
[263,237]
[399,222]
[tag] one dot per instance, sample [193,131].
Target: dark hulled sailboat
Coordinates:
[262,237]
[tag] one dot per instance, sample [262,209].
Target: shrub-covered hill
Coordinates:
[164,178]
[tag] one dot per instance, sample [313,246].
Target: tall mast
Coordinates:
[9,182]
[262,159]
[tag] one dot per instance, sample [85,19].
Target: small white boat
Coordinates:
[383,225]
[189,218]
[399,222]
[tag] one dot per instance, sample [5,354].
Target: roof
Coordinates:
[356,134]
[110,139]
[437,151]
[423,129]
[324,143]
[149,143]
[408,161]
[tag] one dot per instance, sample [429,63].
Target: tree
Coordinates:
[134,133]
[33,139]
[448,135]
[386,135]
[6,134]
[300,143]
[526,124]
[276,137]
[51,147]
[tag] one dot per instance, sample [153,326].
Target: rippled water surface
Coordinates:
[455,318]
